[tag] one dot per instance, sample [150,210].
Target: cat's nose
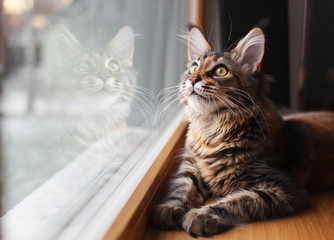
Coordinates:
[194,80]
[103,75]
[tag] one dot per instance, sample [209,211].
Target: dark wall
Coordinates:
[243,16]
[318,85]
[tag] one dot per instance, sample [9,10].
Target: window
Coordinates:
[89,96]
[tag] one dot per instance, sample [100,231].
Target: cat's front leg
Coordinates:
[265,201]
[186,191]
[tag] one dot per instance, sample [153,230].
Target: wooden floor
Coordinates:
[315,223]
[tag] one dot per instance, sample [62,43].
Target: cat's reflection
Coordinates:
[93,88]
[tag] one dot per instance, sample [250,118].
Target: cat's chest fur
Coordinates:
[219,148]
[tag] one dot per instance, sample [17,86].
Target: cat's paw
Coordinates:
[203,222]
[168,215]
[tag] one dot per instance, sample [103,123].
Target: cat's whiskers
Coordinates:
[183,37]
[246,95]
[171,93]
[247,110]
[168,89]
[243,93]
[142,90]
[213,100]
[143,109]
[139,98]
[142,101]
[163,107]
[168,96]
[164,104]
[214,95]
[227,103]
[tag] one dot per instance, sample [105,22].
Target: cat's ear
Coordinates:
[122,45]
[65,46]
[197,44]
[250,50]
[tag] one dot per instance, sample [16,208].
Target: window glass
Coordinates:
[88,87]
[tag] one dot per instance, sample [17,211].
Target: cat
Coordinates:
[92,87]
[239,150]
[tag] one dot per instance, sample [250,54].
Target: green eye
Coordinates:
[85,66]
[114,66]
[221,72]
[193,69]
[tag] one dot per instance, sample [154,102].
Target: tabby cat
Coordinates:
[92,87]
[238,149]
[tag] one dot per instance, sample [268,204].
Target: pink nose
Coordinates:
[194,80]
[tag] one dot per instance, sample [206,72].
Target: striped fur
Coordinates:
[238,149]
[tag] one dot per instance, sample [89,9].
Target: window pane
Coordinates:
[87,91]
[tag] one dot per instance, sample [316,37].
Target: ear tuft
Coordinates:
[197,45]
[191,26]
[250,50]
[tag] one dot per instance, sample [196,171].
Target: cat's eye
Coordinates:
[114,66]
[85,66]
[220,71]
[193,69]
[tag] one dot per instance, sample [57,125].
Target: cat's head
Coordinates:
[86,73]
[92,87]
[217,82]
